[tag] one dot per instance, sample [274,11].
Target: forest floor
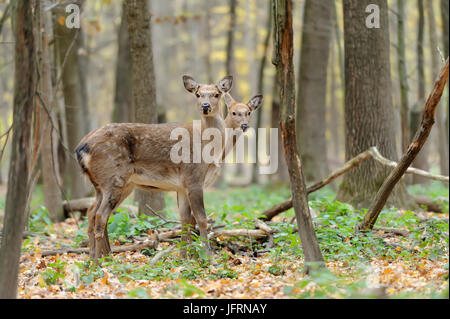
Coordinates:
[370,265]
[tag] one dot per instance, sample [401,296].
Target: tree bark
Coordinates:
[49,159]
[445,36]
[282,173]
[402,73]
[69,63]
[282,59]
[260,89]
[368,105]
[440,116]
[421,161]
[123,99]
[143,84]
[419,139]
[312,88]
[19,172]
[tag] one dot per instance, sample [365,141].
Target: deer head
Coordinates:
[208,95]
[239,113]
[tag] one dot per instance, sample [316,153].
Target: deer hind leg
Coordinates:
[111,200]
[91,221]
[187,220]
[195,197]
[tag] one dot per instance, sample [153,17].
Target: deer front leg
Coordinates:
[187,220]
[195,197]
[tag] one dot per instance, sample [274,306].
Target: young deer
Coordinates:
[236,123]
[121,156]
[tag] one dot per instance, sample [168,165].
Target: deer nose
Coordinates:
[206,107]
[244,127]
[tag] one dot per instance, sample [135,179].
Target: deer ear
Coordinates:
[255,102]
[225,84]
[189,83]
[228,99]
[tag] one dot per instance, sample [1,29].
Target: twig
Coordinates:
[159,255]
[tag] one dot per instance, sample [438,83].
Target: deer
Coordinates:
[119,157]
[237,122]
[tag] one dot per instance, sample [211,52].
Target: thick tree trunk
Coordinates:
[283,49]
[421,160]
[312,88]
[282,174]
[440,116]
[143,84]
[123,99]
[67,47]
[230,63]
[402,74]
[445,36]
[419,139]
[260,90]
[19,172]
[368,105]
[49,153]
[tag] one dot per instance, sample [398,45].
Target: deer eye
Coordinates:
[234,113]
[198,95]
[217,95]
[248,113]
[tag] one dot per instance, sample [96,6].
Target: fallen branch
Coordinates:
[159,255]
[413,149]
[395,231]
[115,249]
[431,204]
[254,233]
[370,153]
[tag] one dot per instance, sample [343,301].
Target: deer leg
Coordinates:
[91,222]
[187,220]
[195,197]
[115,198]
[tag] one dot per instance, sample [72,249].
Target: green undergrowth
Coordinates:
[238,208]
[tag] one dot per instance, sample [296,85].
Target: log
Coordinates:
[83,204]
[430,204]
[115,249]
[253,233]
[413,149]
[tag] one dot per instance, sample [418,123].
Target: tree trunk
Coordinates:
[402,73]
[49,159]
[419,139]
[229,63]
[282,174]
[123,99]
[368,105]
[283,49]
[143,84]
[312,88]
[260,89]
[421,161]
[19,172]
[445,36]
[440,116]
[69,63]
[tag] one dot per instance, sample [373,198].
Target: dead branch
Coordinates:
[370,153]
[263,226]
[430,204]
[254,233]
[413,149]
[160,255]
[116,249]
[395,231]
